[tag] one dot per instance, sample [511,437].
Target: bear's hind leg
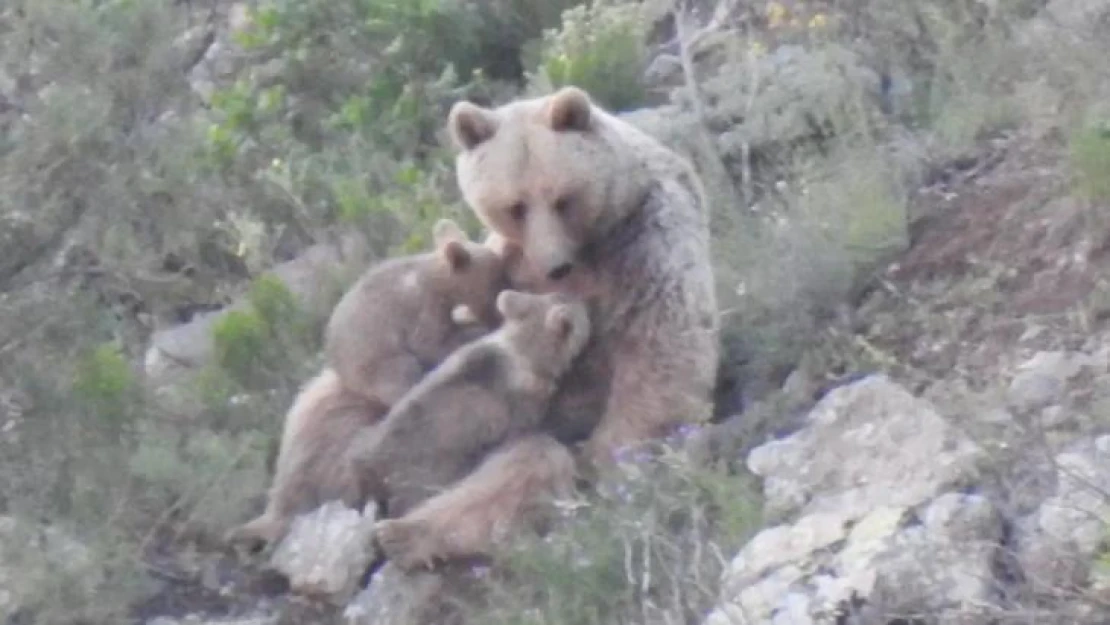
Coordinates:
[496,499]
[318,428]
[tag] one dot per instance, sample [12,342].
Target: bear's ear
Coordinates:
[559,322]
[512,304]
[470,125]
[569,109]
[456,254]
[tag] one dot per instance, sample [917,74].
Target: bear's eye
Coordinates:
[517,211]
[562,206]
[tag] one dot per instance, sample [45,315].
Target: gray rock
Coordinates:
[327,551]
[886,564]
[394,597]
[311,278]
[866,445]
[665,69]
[1058,542]
[879,531]
[1077,16]
[945,566]
[1042,380]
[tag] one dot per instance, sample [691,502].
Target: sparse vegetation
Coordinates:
[144,182]
[1090,155]
[600,48]
[646,546]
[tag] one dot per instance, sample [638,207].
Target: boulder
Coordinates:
[880,529]
[1058,543]
[864,446]
[327,551]
[312,278]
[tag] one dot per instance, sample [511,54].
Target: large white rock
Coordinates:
[864,446]
[879,530]
[327,551]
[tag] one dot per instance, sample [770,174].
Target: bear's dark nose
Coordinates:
[560,272]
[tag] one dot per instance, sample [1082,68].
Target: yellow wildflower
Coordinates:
[818,21]
[757,48]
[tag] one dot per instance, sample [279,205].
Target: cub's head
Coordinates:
[469,274]
[548,330]
[548,174]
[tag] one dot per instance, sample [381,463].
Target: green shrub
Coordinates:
[275,305]
[1090,159]
[105,383]
[241,339]
[600,48]
[266,344]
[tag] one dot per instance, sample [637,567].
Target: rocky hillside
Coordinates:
[911,222]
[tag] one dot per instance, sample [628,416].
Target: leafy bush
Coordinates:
[344,130]
[1090,157]
[599,48]
[260,344]
[104,381]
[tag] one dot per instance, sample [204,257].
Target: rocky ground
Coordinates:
[968,485]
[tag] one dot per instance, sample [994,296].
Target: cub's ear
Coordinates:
[569,109]
[447,230]
[560,321]
[456,254]
[470,125]
[512,304]
[451,243]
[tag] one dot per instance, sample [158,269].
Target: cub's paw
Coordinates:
[407,543]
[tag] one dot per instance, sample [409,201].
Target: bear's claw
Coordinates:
[404,542]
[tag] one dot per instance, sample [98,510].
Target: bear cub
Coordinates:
[395,324]
[404,316]
[494,389]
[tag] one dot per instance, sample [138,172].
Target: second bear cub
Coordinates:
[491,390]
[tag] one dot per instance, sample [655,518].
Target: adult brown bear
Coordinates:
[604,212]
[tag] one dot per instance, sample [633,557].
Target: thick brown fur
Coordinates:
[490,391]
[318,427]
[602,211]
[513,488]
[395,324]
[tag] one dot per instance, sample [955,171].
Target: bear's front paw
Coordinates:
[256,535]
[406,542]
